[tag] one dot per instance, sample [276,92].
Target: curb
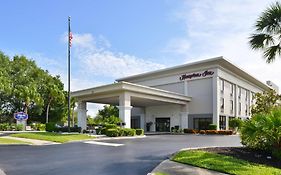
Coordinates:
[2,172]
[108,138]
[184,149]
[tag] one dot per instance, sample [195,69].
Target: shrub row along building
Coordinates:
[191,96]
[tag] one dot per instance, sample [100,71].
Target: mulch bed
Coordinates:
[247,154]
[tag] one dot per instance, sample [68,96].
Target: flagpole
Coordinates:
[68,117]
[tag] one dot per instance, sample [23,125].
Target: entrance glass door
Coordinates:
[162,124]
[135,122]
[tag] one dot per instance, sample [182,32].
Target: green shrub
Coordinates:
[5,127]
[129,132]
[277,153]
[212,127]
[51,127]
[110,126]
[263,131]
[139,132]
[72,129]
[19,127]
[112,132]
[103,131]
[235,123]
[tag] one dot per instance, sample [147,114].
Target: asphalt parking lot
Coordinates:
[111,157]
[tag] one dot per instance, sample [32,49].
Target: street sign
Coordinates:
[20,116]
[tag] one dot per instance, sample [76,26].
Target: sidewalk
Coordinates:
[33,141]
[174,168]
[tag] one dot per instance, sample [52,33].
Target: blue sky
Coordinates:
[113,39]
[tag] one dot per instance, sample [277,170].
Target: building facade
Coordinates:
[192,96]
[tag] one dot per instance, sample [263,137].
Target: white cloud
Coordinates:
[98,59]
[221,27]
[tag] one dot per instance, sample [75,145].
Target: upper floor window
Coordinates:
[239,92]
[231,89]
[247,94]
[239,108]
[221,85]
[231,106]
[222,104]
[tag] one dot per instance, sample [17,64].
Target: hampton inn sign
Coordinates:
[204,92]
[196,75]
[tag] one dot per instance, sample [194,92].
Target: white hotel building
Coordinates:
[192,95]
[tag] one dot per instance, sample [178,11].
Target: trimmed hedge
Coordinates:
[139,132]
[112,132]
[51,127]
[129,132]
[111,126]
[212,127]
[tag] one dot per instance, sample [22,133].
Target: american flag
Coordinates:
[70,39]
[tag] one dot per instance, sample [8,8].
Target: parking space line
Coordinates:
[104,143]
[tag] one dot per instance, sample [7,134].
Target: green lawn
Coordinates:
[223,163]
[159,173]
[11,141]
[54,137]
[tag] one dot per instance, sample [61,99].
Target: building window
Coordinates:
[239,92]
[222,104]
[239,108]
[252,98]
[202,123]
[246,110]
[231,106]
[222,122]
[231,89]
[246,97]
[221,85]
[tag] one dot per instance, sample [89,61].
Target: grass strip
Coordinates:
[6,141]
[53,137]
[222,163]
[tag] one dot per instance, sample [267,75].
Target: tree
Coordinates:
[53,91]
[25,76]
[108,115]
[267,36]
[26,87]
[263,132]
[265,102]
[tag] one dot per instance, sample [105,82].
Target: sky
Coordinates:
[113,39]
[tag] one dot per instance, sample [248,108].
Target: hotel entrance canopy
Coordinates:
[125,95]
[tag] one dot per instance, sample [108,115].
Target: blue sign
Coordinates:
[20,116]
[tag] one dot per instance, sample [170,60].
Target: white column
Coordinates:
[216,99]
[82,115]
[227,122]
[125,109]
[184,116]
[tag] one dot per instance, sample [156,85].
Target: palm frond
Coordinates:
[270,19]
[271,52]
[261,40]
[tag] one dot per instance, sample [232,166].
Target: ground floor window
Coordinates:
[202,123]
[162,124]
[222,122]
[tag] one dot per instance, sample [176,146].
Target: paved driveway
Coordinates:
[135,157]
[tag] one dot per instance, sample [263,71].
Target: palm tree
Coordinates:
[268,33]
